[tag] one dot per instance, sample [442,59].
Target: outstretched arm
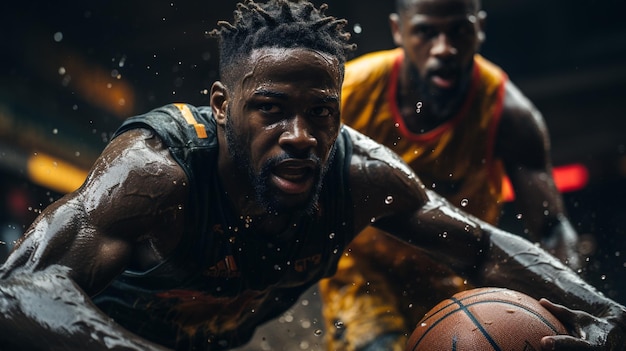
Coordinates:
[126,214]
[387,195]
[524,147]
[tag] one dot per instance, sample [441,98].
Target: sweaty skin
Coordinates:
[130,214]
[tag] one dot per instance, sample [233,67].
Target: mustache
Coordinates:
[311,161]
[444,71]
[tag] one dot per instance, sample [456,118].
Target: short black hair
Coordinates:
[280,23]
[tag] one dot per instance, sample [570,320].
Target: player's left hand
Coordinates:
[588,332]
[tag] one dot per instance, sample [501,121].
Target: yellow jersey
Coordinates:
[457,155]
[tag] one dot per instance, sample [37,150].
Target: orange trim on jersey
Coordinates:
[436,132]
[188,116]
[566,178]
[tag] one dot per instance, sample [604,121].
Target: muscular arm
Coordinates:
[523,145]
[484,254]
[128,213]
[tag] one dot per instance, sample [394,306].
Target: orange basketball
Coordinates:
[485,319]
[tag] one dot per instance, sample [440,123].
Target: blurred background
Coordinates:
[73,70]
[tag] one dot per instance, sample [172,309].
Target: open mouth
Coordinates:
[294,176]
[443,82]
[443,77]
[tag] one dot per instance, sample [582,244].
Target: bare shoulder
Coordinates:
[521,124]
[139,178]
[382,183]
[519,111]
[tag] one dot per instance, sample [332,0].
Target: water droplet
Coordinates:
[331,235]
[518,216]
[389,200]
[464,202]
[318,332]
[418,107]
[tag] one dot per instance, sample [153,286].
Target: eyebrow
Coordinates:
[330,99]
[270,93]
[284,96]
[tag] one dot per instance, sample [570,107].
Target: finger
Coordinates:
[564,343]
[561,312]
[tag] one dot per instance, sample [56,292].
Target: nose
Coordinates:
[297,136]
[443,47]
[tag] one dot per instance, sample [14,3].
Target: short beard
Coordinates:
[260,182]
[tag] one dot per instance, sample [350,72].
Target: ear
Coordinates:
[394,24]
[482,20]
[219,102]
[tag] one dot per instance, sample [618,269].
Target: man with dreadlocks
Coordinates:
[197,224]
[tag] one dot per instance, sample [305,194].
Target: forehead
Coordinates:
[441,8]
[291,65]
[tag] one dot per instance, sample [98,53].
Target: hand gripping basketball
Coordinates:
[485,319]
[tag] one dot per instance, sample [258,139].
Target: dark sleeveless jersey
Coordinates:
[222,280]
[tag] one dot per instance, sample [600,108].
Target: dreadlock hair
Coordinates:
[280,23]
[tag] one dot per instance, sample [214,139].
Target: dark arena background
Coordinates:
[73,70]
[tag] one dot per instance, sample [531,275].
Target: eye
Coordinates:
[269,108]
[462,30]
[424,31]
[321,112]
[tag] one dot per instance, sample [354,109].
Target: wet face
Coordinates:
[440,38]
[281,124]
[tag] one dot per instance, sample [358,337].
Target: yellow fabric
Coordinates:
[382,285]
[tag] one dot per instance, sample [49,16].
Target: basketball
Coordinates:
[485,319]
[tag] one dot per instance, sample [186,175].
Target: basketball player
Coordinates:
[197,224]
[461,125]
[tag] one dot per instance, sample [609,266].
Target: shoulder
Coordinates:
[519,111]
[177,124]
[521,124]
[135,154]
[371,66]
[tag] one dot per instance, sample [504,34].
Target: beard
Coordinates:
[265,195]
[444,102]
